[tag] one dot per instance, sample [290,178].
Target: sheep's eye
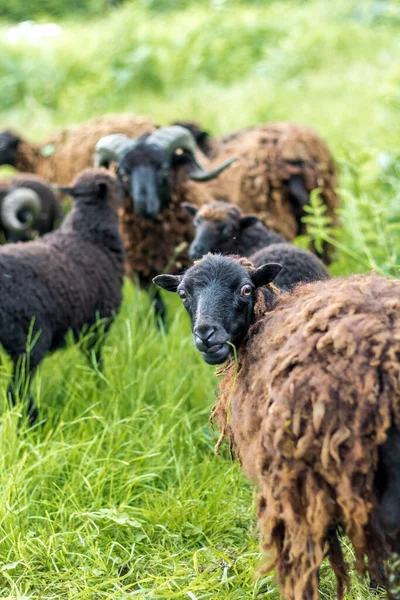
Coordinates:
[182,295]
[246,290]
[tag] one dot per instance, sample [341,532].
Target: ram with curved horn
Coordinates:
[28,208]
[146,165]
[158,171]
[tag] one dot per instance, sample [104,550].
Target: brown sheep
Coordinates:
[312,408]
[278,165]
[62,156]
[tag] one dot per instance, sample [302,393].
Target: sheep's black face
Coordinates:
[212,236]
[219,295]
[8,148]
[145,172]
[218,227]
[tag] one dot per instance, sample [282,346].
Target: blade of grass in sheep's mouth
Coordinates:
[228,412]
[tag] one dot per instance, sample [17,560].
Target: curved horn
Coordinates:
[202,175]
[176,137]
[17,200]
[109,148]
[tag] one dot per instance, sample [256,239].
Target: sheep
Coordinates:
[311,407]
[65,280]
[62,156]
[156,229]
[278,165]
[28,207]
[222,227]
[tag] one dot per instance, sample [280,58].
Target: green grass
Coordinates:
[118,494]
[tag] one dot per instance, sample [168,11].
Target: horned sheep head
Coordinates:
[145,165]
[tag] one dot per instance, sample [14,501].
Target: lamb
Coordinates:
[221,227]
[28,207]
[69,279]
[311,408]
[62,156]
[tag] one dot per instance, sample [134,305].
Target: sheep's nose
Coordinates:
[204,333]
[196,251]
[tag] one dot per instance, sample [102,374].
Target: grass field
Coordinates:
[117,493]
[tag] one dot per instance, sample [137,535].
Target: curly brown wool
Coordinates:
[62,156]
[317,389]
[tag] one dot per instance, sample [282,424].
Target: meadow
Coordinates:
[117,493]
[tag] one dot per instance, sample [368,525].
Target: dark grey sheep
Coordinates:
[28,208]
[65,280]
[298,266]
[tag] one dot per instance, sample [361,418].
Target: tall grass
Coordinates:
[117,493]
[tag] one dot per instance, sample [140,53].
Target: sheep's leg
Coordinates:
[298,196]
[24,367]
[389,474]
[158,305]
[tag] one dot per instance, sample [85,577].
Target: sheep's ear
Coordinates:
[168,282]
[63,189]
[248,221]
[190,208]
[265,274]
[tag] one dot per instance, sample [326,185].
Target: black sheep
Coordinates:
[298,266]
[65,280]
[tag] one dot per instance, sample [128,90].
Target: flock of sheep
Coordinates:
[311,402]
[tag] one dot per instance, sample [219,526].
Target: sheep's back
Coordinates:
[72,150]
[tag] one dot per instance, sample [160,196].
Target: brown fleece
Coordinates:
[61,157]
[317,388]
